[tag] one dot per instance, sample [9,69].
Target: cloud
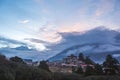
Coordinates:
[35,40]
[51,37]
[5,42]
[24,21]
[116,55]
[105,7]
[36,44]
[31,43]
[93,36]
[70,39]
[4,39]
[86,18]
[50,34]
[77,27]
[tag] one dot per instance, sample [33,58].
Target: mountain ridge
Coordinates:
[102,37]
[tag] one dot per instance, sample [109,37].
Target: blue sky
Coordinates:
[43,20]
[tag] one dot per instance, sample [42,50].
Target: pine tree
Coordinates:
[43,65]
[17,59]
[89,71]
[111,64]
[79,70]
[98,69]
[81,57]
[88,60]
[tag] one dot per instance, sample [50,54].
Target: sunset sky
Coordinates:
[39,23]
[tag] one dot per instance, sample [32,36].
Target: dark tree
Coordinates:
[3,59]
[79,70]
[89,71]
[110,65]
[72,55]
[6,72]
[98,69]
[2,56]
[88,60]
[17,59]
[43,65]
[73,69]
[81,57]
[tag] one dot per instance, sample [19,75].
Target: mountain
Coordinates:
[23,52]
[96,51]
[96,43]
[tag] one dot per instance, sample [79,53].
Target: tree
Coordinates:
[111,65]
[81,57]
[89,71]
[17,59]
[3,59]
[98,69]
[73,69]
[43,65]
[6,72]
[88,60]
[79,70]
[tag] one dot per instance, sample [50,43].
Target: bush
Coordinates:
[101,78]
[6,73]
[89,71]
[24,72]
[66,76]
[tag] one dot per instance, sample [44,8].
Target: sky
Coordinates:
[38,23]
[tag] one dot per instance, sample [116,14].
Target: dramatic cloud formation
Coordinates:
[5,42]
[42,23]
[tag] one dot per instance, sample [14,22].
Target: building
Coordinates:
[69,62]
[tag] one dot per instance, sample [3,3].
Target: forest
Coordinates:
[16,69]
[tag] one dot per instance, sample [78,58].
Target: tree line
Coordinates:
[16,69]
[110,66]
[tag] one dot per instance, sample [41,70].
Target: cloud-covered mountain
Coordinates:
[95,43]
[12,48]
[96,51]
[23,52]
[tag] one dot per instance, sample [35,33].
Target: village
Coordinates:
[68,63]
[65,65]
